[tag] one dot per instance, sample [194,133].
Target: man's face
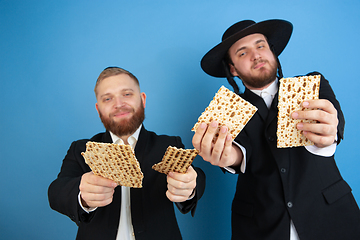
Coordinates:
[253,61]
[120,104]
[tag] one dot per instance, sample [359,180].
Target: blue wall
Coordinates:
[51,53]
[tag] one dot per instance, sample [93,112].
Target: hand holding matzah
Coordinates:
[324,130]
[222,153]
[220,123]
[181,185]
[304,119]
[115,162]
[176,160]
[181,177]
[96,191]
[228,109]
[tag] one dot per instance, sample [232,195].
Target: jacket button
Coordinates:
[283,170]
[289,204]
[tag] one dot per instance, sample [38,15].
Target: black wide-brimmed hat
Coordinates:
[276,31]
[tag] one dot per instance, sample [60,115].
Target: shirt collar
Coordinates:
[131,140]
[271,89]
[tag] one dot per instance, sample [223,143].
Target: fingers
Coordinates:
[217,153]
[321,110]
[221,145]
[206,144]
[181,185]
[95,180]
[324,131]
[96,191]
[222,152]
[198,136]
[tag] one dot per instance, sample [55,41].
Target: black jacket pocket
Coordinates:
[336,191]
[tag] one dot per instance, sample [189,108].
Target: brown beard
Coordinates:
[261,81]
[125,126]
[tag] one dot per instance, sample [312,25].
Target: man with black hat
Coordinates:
[281,193]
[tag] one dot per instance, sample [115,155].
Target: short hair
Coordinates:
[113,71]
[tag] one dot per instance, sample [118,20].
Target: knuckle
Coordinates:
[324,141]
[181,185]
[335,111]
[216,151]
[322,114]
[329,129]
[169,196]
[195,141]
[214,162]
[203,146]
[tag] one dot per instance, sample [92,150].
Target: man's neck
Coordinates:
[262,88]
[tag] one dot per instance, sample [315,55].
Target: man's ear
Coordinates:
[143,98]
[233,71]
[97,108]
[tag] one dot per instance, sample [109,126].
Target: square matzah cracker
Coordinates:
[176,160]
[292,92]
[115,162]
[228,109]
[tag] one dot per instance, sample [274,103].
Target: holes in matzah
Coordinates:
[302,88]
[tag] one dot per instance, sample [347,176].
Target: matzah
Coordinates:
[292,92]
[115,162]
[176,160]
[228,109]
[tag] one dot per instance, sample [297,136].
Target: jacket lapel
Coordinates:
[257,102]
[137,214]
[141,144]
[273,111]
[106,138]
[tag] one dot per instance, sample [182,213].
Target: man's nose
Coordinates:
[255,55]
[119,102]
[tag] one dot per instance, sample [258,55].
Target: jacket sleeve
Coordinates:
[326,92]
[190,205]
[63,191]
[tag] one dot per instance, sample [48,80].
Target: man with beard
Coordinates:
[100,208]
[281,193]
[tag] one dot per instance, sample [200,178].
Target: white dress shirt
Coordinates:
[125,230]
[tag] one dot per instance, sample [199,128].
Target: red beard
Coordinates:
[125,126]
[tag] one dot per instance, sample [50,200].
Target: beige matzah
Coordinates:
[228,109]
[292,92]
[115,162]
[176,160]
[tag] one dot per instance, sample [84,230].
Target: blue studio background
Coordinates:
[51,53]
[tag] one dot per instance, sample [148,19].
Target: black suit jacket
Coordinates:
[283,184]
[152,213]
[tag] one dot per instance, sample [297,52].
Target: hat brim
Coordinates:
[276,31]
